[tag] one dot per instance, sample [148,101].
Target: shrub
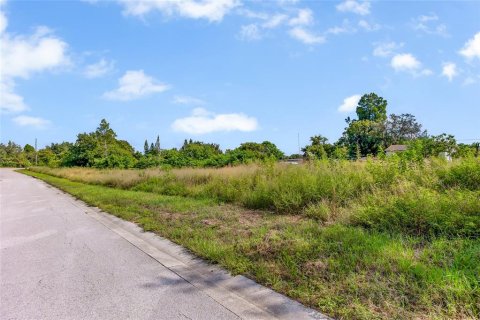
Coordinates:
[422,212]
[461,174]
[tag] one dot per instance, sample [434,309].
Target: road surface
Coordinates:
[59,263]
[61,259]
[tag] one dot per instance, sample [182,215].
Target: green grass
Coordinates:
[379,248]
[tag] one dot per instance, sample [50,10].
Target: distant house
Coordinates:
[445,155]
[395,148]
[293,161]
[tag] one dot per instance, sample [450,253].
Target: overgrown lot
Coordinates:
[356,240]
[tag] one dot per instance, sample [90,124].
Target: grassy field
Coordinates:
[386,240]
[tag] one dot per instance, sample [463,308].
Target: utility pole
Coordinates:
[36,153]
[298,140]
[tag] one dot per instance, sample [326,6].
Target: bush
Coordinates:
[422,212]
[461,174]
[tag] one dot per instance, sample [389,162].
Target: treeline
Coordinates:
[368,135]
[102,149]
[373,131]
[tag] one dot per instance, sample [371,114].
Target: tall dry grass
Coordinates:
[360,193]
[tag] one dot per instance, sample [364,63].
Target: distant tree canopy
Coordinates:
[12,155]
[100,149]
[263,150]
[372,107]
[402,128]
[373,131]
[369,134]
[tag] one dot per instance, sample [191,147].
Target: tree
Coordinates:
[12,155]
[28,148]
[319,148]
[106,135]
[100,149]
[59,151]
[29,152]
[260,151]
[402,128]
[372,107]
[366,134]
[146,150]
[198,150]
[363,137]
[157,145]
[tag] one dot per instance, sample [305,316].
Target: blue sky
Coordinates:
[230,71]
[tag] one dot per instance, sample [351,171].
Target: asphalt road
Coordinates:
[57,262]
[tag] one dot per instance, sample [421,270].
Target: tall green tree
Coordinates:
[157,145]
[402,128]
[319,148]
[372,107]
[146,150]
[100,149]
[363,137]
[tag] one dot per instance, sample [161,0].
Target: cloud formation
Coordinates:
[408,63]
[449,70]
[202,121]
[188,100]
[429,25]
[135,84]
[98,69]
[306,36]
[386,49]
[27,121]
[357,7]
[367,26]
[471,49]
[10,101]
[349,103]
[250,32]
[304,18]
[211,10]
[23,56]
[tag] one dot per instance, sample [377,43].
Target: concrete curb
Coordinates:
[242,296]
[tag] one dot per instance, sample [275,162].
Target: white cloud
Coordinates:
[135,84]
[304,18]
[22,56]
[202,121]
[250,32]
[427,24]
[337,30]
[35,122]
[471,49]
[361,8]
[406,62]
[386,49]
[344,28]
[188,100]
[212,10]
[98,69]
[449,70]
[365,25]
[306,36]
[274,21]
[349,103]
[252,14]
[10,102]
